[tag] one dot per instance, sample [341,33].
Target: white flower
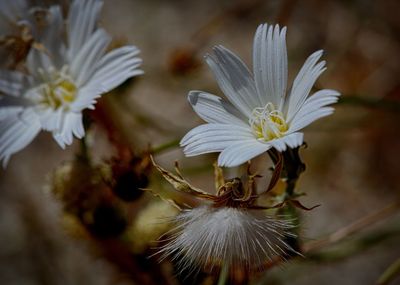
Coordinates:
[238,237]
[258,114]
[63,80]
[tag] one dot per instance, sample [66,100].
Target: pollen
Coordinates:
[268,123]
[58,93]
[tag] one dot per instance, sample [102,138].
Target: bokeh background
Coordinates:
[352,157]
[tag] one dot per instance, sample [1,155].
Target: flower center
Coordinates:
[60,92]
[268,123]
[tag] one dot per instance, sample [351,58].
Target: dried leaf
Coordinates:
[276,172]
[219,176]
[172,202]
[177,169]
[297,204]
[181,184]
[294,203]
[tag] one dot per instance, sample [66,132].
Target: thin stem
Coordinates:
[354,227]
[390,273]
[294,167]
[390,105]
[165,146]
[348,248]
[315,251]
[223,275]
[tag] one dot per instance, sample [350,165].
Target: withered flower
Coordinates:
[228,228]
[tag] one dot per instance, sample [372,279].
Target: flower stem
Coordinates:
[223,275]
[165,146]
[363,101]
[294,167]
[390,273]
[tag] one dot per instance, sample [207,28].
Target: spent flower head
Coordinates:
[63,80]
[227,228]
[259,114]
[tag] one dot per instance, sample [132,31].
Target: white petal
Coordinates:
[86,60]
[39,64]
[213,138]
[214,109]
[270,64]
[234,79]
[82,19]
[309,118]
[241,151]
[292,140]
[11,105]
[16,132]
[12,82]
[51,120]
[51,36]
[316,101]
[116,67]
[71,125]
[86,97]
[303,83]
[6,112]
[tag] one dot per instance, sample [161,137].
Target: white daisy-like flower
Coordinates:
[63,80]
[260,114]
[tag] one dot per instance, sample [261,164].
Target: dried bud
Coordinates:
[182,61]
[108,221]
[129,176]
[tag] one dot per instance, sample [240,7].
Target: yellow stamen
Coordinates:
[58,93]
[268,123]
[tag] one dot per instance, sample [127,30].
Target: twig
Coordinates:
[353,228]
[342,233]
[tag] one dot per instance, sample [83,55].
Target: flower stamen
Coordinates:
[59,92]
[268,123]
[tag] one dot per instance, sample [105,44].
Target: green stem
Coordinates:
[391,105]
[165,146]
[294,167]
[390,273]
[223,275]
[351,247]
[83,153]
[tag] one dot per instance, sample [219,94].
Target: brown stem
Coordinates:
[341,233]
[353,227]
